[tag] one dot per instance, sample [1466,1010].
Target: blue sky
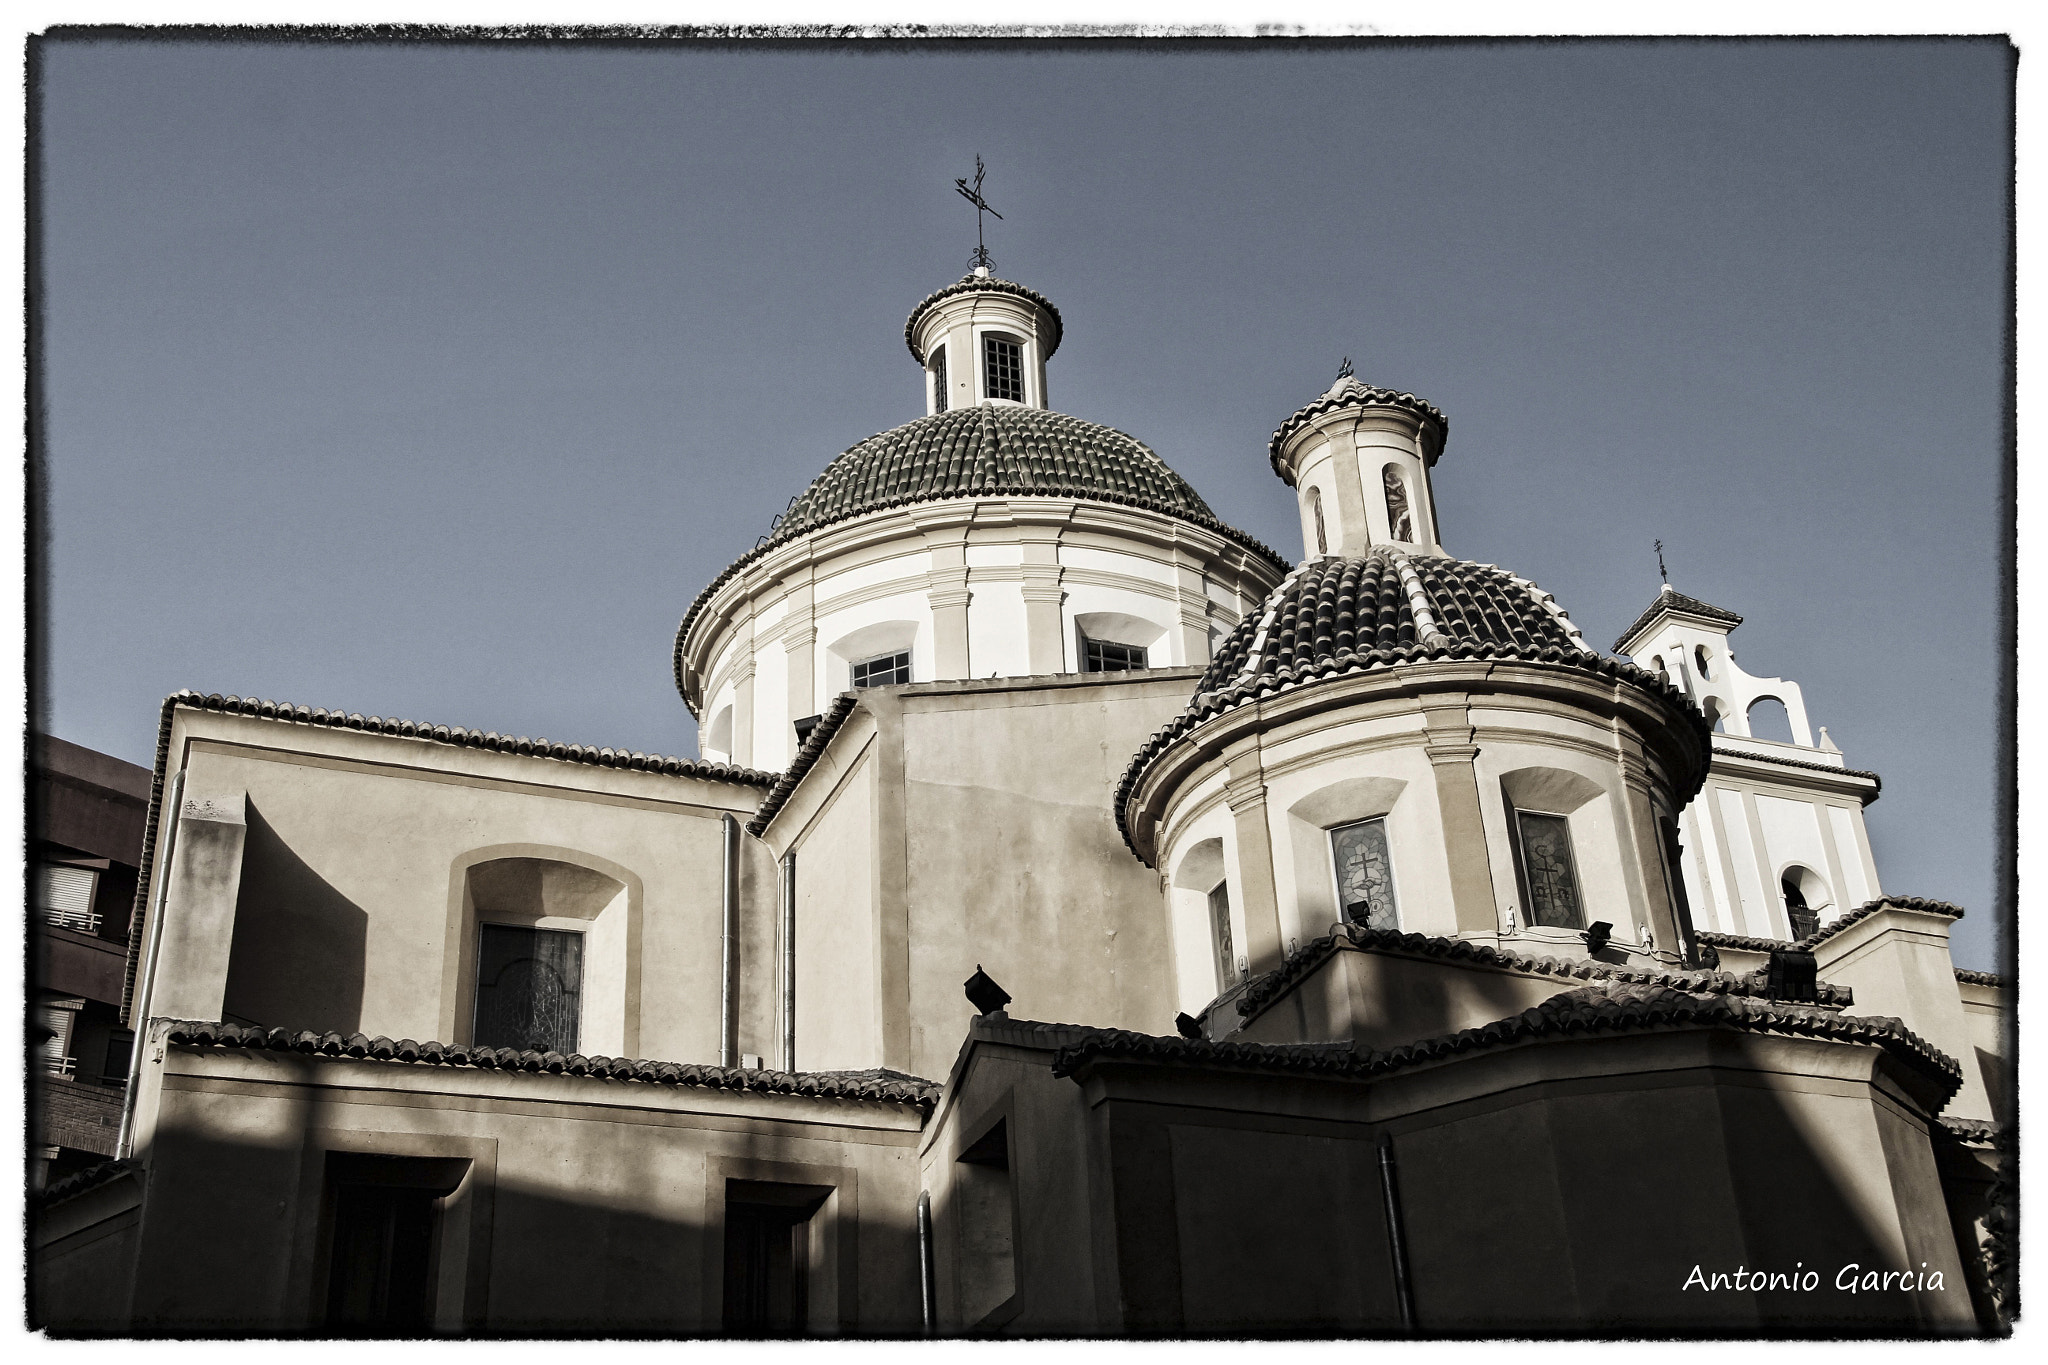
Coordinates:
[434,381]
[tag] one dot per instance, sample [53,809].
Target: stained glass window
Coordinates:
[1107,656]
[882,670]
[529,988]
[1365,874]
[1315,503]
[1219,919]
[1550,871]
[1399,523]
[939,379]
[1005,368]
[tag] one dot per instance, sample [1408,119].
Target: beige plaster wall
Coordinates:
[348,905]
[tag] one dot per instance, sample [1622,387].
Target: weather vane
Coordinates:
[1344,370]
[981,259]
[1660,564]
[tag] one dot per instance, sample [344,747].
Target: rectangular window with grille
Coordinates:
[1107,656]
[529,988]
[939,380]
[67,897]
[1005,368]
[1365,874]
[1550,878]
[882,670]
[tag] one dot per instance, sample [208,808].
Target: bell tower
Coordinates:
[1358,459]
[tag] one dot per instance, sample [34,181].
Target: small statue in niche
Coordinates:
[1400,525]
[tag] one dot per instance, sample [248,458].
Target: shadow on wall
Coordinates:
[343,1232]
[297,957]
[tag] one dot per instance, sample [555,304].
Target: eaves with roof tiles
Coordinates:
[1676,601]
[1606,1007]
[877,1086]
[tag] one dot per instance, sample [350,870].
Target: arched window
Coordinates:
[1699,656]
[1219,925]
[1400,524]
[1768,720]
[1315,505]
[1806,897]
[1365,874]
[939,380]
[1712,709]
[1657,663]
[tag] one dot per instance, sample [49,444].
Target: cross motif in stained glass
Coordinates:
[529,988]
[1549,869]
[1365,874]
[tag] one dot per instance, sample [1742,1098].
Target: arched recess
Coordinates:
[718,734]
[1716,717]
[1309,822]
[1598,881]
[1121,628]
[1204,909]
[857,646]
[1806,896]
[544,886]
[1768,719]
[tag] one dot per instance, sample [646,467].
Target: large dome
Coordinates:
[992,451]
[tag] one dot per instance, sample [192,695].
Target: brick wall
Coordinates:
[74,1114]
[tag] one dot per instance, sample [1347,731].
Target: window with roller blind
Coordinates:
[67,897]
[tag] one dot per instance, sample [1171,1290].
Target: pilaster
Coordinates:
[1447,728]
[1245,794]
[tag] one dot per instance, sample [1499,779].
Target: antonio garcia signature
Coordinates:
[1850,1279]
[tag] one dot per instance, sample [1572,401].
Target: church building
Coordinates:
[1080,919]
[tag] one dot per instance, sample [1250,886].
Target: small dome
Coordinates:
[981,284]
[993,450]
[1390,607]
[1349,392]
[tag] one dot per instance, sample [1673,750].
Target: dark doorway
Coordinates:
[382,1257]
[768,1256]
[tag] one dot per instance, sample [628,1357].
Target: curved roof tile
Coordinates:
[1349,392]
[1335,616]
[885,1087]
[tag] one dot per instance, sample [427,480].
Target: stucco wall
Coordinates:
[346,904]
[589,1204]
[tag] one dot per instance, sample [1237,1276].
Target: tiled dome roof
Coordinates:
[1333,617]
[994,449]
[983,284]
[1349,392]
[1388,603]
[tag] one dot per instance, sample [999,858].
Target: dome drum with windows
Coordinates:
[991,537]
[1403,740]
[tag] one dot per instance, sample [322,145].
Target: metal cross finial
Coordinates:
[1660,564]
[981,258]
[1344,370]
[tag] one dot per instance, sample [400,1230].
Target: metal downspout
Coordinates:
[729,943]
[1397,1239]
[138,1018]
[789,961]
[927,1279]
